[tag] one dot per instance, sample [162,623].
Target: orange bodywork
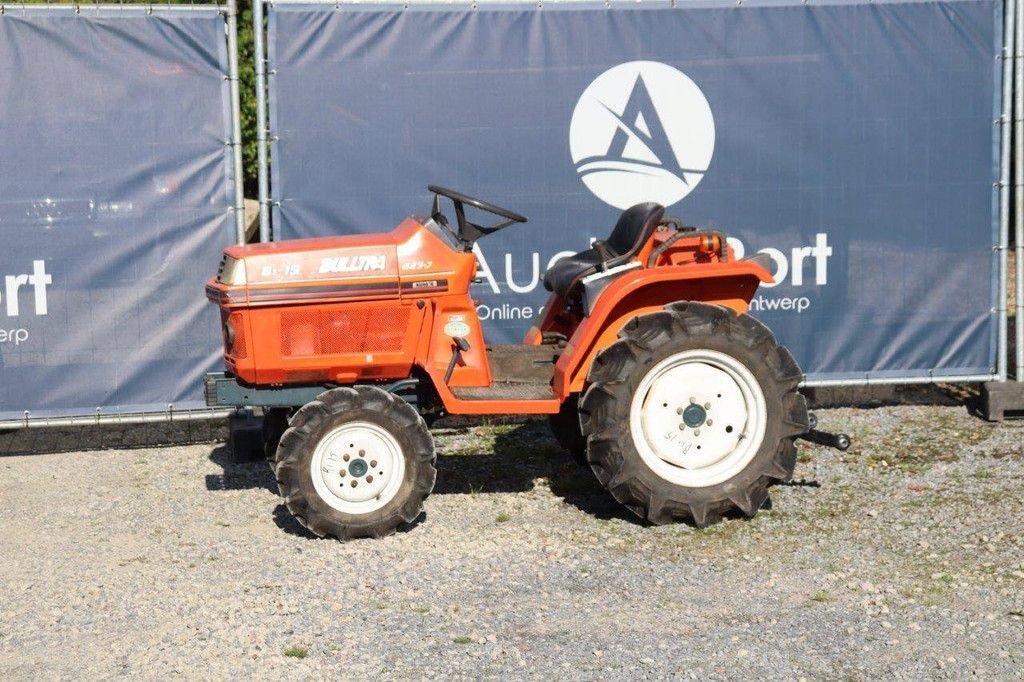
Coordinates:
[376,308]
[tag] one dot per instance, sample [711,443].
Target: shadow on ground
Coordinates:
[523,455]
[517,458]
[239,475]
[885,395]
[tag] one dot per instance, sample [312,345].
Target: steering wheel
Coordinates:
[469,232]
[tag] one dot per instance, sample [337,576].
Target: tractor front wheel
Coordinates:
[355,462]
[691,413]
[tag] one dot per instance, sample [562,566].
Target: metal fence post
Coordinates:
[1009,27]
[236,120]
[261,118]
[1018,165]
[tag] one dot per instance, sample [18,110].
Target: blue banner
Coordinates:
[114,206]
[855,143]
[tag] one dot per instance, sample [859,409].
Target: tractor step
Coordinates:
[520,363]
[519,372]
[506,391]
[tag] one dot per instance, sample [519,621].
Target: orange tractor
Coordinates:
[644,358]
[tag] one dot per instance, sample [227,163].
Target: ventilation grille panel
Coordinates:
[318,331]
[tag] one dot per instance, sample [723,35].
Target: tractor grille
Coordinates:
[331,332]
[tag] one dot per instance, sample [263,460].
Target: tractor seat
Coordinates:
[634,228]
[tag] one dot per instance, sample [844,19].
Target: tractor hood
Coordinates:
[354,266]
[303,261]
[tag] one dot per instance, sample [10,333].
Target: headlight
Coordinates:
[229,335]
[232,272]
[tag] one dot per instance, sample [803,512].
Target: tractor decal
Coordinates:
[424,286]
[354,263]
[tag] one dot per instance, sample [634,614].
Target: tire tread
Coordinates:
[299,438]
[609,381]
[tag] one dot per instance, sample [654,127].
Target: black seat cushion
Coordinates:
[634,228]
[563,273]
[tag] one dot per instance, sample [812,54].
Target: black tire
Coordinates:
[319,418]
[275,423]
[567,430]
[616,375]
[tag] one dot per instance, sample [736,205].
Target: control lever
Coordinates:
[839,441]
[461,346]
[604,253]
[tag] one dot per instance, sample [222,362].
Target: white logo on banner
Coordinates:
[642,131]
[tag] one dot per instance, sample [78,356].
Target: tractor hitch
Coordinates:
[839,441]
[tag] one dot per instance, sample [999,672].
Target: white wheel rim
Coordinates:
[698,418]
[361,453]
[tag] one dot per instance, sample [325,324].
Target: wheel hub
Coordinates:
[698,417]
[694,415]
[358,467]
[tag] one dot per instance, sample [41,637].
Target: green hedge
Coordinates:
[247,93]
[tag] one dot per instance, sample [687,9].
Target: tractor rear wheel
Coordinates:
[356,462]
[691,413]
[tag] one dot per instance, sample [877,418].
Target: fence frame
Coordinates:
[1012,55]
[1018,200]
[229,10]
[1011,124]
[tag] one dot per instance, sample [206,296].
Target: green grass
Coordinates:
[421,609]
[823,597]
[925,442]
[984,474]
[502,517]
[722,531]
[462,639]
[296,652]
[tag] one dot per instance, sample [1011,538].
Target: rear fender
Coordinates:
[730,284]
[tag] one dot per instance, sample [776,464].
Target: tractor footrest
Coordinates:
[1002,400]
[521,363]
[506,391]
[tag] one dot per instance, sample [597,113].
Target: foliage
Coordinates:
[247,95]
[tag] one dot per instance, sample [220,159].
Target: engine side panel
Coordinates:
[339,342]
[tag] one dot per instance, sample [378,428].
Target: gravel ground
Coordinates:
[903,557]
